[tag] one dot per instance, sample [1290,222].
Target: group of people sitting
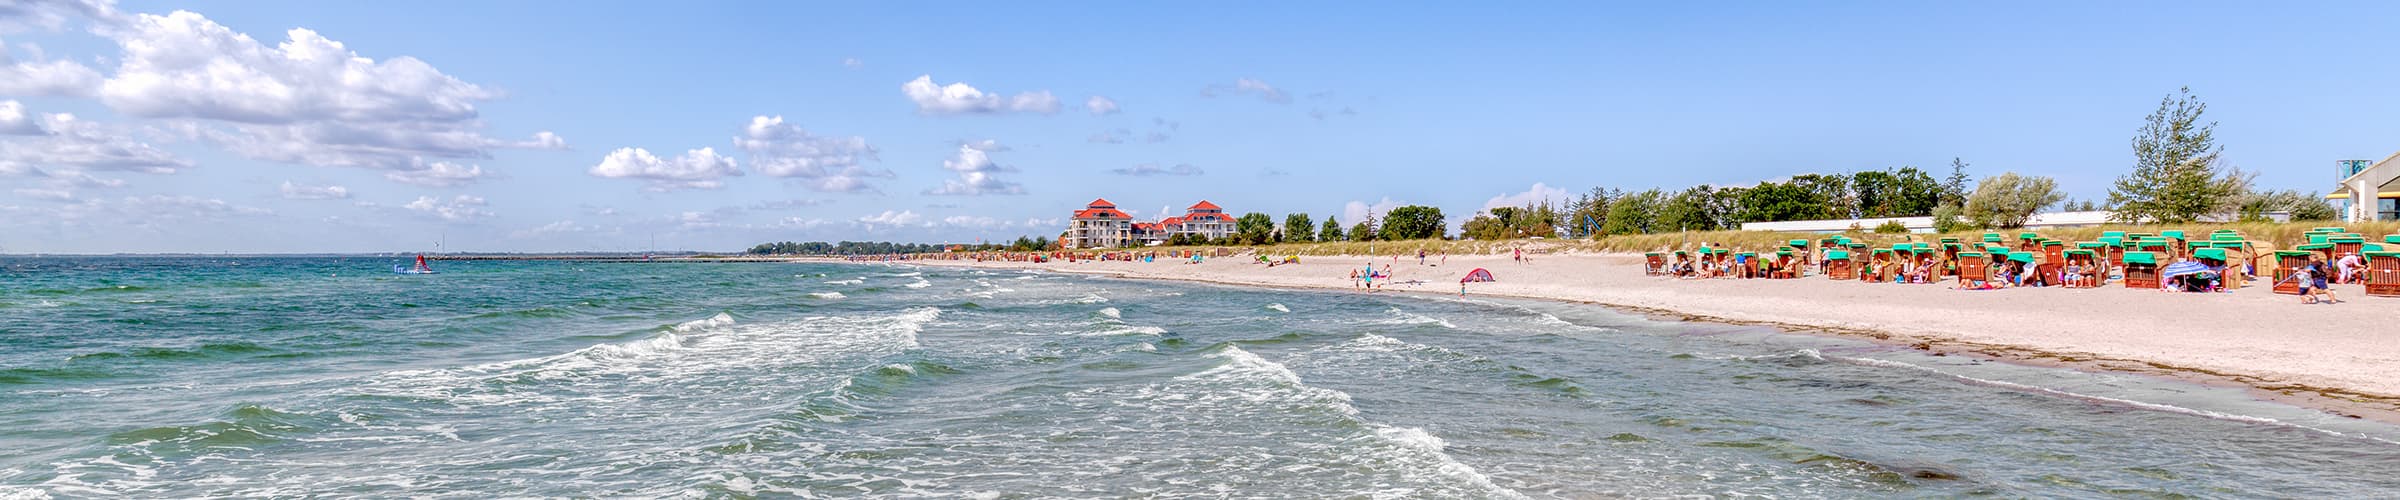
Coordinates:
[1742,266]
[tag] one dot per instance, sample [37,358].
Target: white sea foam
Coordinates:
[827,295]
[1409,318]
[1278,308]
[1404,444]
[905,275]
[1091,298]
[721,319]
[1112,313]
[920,283]
[852,281]
[15,493]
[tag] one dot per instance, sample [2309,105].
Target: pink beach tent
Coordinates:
[1479,275]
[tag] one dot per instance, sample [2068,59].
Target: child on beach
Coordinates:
[2074,278]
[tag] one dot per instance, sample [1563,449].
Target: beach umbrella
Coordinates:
[2182,268]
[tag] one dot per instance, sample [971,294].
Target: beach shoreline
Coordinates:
[2226,340]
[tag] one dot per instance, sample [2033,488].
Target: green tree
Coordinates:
[1891,226]
[1364,230]
[1332,232]
[2260,206]
[1954,187]
[1901,192]
[1634,213]
[1947,218]
[1777,202]
[1414,222]
[1296,228]
[1689,210]
[2177,176]
[1254,228]
[2006,200]
[1833,194]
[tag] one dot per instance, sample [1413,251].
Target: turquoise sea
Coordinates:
[288,377]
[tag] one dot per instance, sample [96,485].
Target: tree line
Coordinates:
[2178,177]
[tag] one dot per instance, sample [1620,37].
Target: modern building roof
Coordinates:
[1101,203]
[1205,205]
[1101,213]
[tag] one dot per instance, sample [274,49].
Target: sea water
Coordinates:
[255,377]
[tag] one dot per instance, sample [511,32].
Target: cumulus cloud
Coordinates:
[853,63]
[1250,86]
[829,164]
[975,167]
[52,14]
[960,98]
[973,221]
[696,169]
[787,204]
[14,120]
[308,100]
[46,194]
[297,191]
[46,78]
[891,219]
[458,208]
[1100,106]
[1357,211]
[1539,193]
[1152,169]
[436,174]
[63,141]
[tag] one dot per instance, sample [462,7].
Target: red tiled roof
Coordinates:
[1205,205]
[1206,217]
[1171,221]
[1102,203]
[1101,213]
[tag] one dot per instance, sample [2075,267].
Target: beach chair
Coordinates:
[1878,267]
[2141,269]
[1654,263]
[1973,267]
[2054,251]
[2115,254]
[2347,244]
[2176,242]
[2089,262]
[2286,263]
[1800,249]
[1949,258]
[2029,241]
[2323,250]
[1991,239]
[1837,265]
[2383,274]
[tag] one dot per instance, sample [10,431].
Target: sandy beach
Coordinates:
[2340,357]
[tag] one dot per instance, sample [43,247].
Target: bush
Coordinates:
[1891,227]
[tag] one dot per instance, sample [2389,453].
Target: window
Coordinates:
[2387,209]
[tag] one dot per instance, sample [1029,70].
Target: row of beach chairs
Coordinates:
[2135,257]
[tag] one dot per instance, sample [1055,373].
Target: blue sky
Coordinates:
[508,126]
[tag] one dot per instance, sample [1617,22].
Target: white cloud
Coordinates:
[787,204]
[1539,193]
[891,219]
[960,98]
[696,169]
[1249,86]
[975,167]
[14,120]
[46,78]
[308,100]
[829,164]
[146,211]
[1358,211]
[436,174]
[46,194]
[1114,136]
[80,145]
[1151,169]
[973,221]
[853,63]
[1321,113]
[298,191]
[458,208]
[1034,222]
[1101,106]
[51,15]
[551,229]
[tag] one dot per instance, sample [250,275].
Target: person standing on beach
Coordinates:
[1420,256]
